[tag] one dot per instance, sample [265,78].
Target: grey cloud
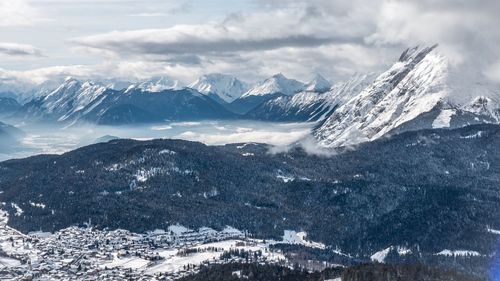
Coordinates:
[334,37]
[20,50]
[204,46]
[237,33]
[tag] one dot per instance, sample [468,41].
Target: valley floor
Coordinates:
[78,253]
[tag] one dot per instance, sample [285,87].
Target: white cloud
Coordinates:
[493,72]
[17,13]
[299,42]
[273,137]
[297,37]
[466,31]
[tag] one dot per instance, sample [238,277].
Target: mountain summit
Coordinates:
[278,83]
[318,84]
[220,86]
[421,90]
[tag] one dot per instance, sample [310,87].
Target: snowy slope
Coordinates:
[319,84]
[419,90]
[310,105]
[158,84]
[278,83]
[71,97]
[225,87]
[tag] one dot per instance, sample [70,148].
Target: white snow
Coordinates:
[226,87]
[381,255]
[322,103]
[429,84]
[158,84]
[318,84]
[178,229]
[293,237]
[129,262]
[458,253]
[37,205]
[278,83]
[232,231]
[6,262]
[443,119]
[167,151]
[19,211]
[494,231]
[474,136]
[285,179]
[71,97]
[125,250]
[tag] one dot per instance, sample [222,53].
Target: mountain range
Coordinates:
[420,90]
[406,170]
[75,101]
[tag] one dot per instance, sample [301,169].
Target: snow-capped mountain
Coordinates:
[75,101]
[278,83]
[220,86]
[115,83]
[273,87]
[319,84]
[421,90]
[310,105]
[68,101]
[158,84]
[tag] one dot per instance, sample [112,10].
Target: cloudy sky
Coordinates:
[252,39]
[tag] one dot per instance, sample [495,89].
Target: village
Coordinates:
[87,253]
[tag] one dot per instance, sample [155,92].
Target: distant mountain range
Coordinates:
[76,101]
[421,90]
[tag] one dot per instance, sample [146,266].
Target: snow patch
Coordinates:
[494,231]
[455,253]
[167,151]
[19,211]
[37,205]
[444,118]
[380,256]
[299,238]
[178,229]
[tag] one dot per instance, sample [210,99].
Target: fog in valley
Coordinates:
[56,139]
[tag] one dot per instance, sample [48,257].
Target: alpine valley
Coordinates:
[398,176]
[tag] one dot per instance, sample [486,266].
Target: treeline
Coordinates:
[258,272]
[403,272]
[363,272]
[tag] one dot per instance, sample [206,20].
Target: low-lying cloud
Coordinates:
[276,138]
